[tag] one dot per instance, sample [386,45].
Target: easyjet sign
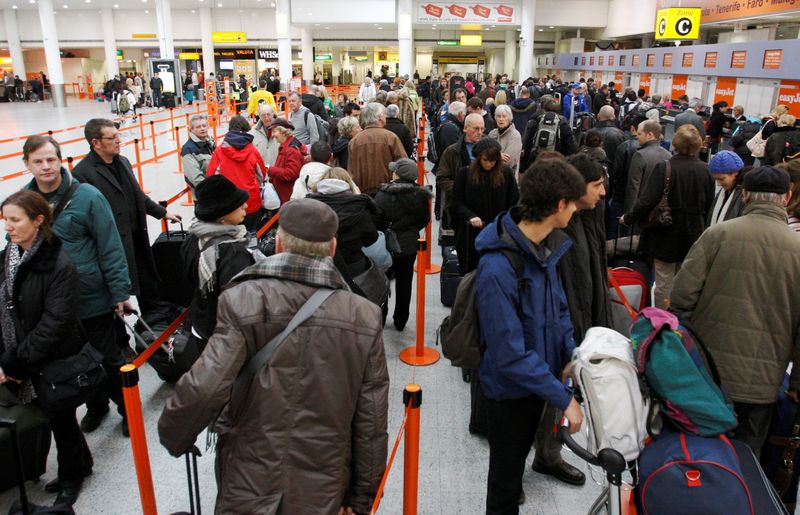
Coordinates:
[789,95]
[726,90]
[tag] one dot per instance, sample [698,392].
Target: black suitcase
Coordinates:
[479,407]
[449,277]
[168,100]
[172,359]
[175,285]
[33,433]
[780,455]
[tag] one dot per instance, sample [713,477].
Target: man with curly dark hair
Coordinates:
[524,356]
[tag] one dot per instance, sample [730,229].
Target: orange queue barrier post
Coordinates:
[141,131]
[412,399]
[419,355]
[70,166]
[267,225]
[141,458]
[138,166]
[172,122]
[153,139]
[428,267]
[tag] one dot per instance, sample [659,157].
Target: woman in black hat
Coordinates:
[215,250]
[481,191]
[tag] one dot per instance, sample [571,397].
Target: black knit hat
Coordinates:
[217,196]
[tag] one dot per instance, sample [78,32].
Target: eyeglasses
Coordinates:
[114,138]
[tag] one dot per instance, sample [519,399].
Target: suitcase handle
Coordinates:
[11,425]
[138,337]
[163,203]
[193,480]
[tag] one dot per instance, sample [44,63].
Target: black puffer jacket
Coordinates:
[357,229]
[404,205]
[314,104]
[46,296]
[232,258]
[340,153]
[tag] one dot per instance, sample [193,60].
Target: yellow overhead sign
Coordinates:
[189,56]
[144,36]
[471,40]
[228,37]
[678,23]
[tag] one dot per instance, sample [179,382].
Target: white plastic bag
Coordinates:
[269,197]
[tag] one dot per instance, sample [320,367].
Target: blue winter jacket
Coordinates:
[526,330]
[89,233]
[582,107]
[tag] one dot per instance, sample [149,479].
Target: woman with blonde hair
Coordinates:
[500,98]
[771,120]
[322,94]
[408,114]
[782,141]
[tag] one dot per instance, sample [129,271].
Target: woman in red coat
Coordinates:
[239,161]
[287,165]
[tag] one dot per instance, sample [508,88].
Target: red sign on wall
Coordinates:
[726,90]
[772,59]
[679,85]
[789,95]
[711,60]
[645,82]
[738,59]
[667,61]
[636,59]
[688,60]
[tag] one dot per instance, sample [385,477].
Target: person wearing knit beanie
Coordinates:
[727,169]
[217,197]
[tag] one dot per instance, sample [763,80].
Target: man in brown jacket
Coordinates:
[306,432]
[371,150]
[739,287]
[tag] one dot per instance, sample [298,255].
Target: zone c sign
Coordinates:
[678,23]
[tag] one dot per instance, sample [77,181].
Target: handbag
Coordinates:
[69,382]
[269,197]
[374,283]
[379,253]
[661,215]
[757,145]
[392,240]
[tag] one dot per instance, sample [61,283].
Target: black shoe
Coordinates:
[67,496]
[125,431]
[400,324]
[562,471]
[54,486]
[92,420]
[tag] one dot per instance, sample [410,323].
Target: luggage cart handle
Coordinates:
[610,460]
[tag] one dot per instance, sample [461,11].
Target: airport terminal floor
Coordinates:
[452,463]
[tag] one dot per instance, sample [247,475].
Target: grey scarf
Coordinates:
[14,259]
[209,236]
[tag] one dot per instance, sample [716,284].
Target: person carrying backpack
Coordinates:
[521,365]
[547,131]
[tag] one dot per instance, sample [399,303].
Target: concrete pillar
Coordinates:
[346,61]
[307,47]
[557,42]
[109,43]
[205,40]
[166,44]
[14,46]
[510,60]
[336,66]
[52,52]
[282,11]
[526,40]
[405,37]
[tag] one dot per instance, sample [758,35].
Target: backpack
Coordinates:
[460,332]
[322,125]
[675,367]
[124,105]
[547,133]
[433,152]
[612,396]
[681,474]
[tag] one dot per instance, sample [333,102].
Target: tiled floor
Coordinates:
[453,464]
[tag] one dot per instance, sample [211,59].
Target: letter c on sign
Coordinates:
[683,26]
[662,27]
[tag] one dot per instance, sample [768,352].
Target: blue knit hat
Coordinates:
[725,162]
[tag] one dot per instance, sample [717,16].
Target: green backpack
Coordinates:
[460,332]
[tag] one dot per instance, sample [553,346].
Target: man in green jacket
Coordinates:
[89,234]
[739,287]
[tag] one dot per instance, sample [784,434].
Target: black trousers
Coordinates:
[753,428]
[102,331]
[149,287]
[403,267]
[74,457]
[512,429]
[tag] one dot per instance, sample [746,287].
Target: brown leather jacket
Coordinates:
[310,434]
[369,155]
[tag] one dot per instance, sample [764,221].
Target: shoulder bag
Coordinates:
[392,240]
[757,145]
[661,215]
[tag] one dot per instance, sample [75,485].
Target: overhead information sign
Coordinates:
[678,23]
[471,40]
[727,10]
[494,13]
[143,36]
[228,37]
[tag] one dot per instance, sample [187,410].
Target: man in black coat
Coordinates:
[313,103]
[613,137]
[565,143]
[396,125]
[112,174]
[599,99]
[619,181]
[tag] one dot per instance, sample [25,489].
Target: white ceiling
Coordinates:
[134,4]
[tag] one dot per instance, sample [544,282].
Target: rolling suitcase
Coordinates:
[449,277]
[174,357]
[194,482]
[32,430]
[175,285]
[781,451]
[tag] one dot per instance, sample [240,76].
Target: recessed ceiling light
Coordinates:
[193,11]
[316,24]
[66,6]
[327,28]
[487,28]
[88,1]
[272,4]
[116,6]
[146,11]
[14,6]
[219,5]
[380,28]
[541,30]
[552,27]
[31,1]
[375,24]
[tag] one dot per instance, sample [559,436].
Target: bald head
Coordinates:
[473,127]
[606,113]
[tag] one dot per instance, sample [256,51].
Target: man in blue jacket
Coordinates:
[87,229]
[575,98]
[525,323]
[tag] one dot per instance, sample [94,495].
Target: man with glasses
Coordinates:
[112,174]
[196,152]
[454,158]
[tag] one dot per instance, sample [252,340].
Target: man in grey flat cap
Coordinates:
[296,372]
[739,287]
